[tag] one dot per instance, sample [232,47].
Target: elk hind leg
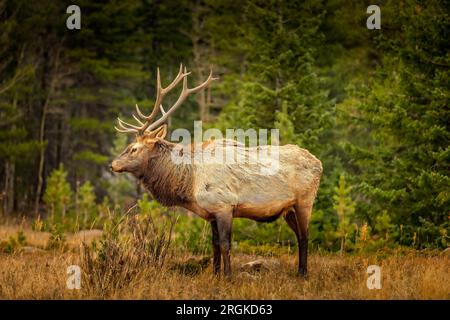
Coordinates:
[224,224]
[302,214]
[291,219]
[216,247]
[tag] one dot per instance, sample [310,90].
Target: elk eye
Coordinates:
[133,150]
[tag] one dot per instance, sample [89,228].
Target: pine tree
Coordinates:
[106,61]
[404,169]
[86,203]
[17,146]
[58,194]
[277,83]
[345,209]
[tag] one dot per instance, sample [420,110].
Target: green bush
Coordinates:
[193,234]
[345,209]
[68,212]
[13,243]
[255,233]
[86,209]
[57,238]
[58,194]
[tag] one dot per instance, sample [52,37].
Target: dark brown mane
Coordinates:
[168,182]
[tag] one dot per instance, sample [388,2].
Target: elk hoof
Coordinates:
[302,274]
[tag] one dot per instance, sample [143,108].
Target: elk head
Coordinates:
[149,133]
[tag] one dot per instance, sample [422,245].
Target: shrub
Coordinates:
[257,233]
[58,194]
[57,238]
[13,243]
[193,234]
[345,209]
[129,246]
[86,204]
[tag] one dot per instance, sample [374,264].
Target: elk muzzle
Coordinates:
[116,166]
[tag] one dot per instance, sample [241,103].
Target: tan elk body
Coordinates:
[219,191]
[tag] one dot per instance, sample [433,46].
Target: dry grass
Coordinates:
[410,275]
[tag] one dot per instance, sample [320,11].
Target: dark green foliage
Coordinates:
[253,233]
[372,105]
[58,195]
[403,163]
[87,209]
[193,234]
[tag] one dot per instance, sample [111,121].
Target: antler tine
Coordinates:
[140,114]
[183,95]
[162,109]
[125,130]
[137,119]
[177,79]
[185,88]
[160,93]
[124,125]
[159,96]
[204,84]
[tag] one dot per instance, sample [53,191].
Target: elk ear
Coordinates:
[161,132]
[152,136]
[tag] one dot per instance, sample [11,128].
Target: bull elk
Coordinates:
[219,192]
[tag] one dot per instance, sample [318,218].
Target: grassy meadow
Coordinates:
[36,270]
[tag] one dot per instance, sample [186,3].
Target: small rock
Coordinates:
[258,265]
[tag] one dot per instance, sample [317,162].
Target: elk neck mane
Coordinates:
[170,183]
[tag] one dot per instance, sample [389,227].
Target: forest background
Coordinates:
[371,104]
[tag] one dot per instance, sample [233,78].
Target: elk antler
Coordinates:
[160,93]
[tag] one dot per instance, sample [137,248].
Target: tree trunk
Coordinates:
[8,193]
[41,161]
[41,157]
[10,168]
[201,59]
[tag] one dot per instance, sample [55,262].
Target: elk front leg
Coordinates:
[216,247]
[224,224]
